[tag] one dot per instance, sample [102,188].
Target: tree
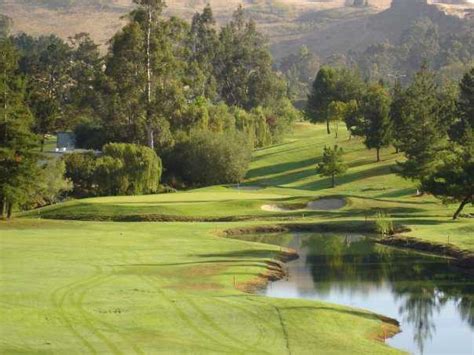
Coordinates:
[453,180]
[332,163]
[330,85]
[375,110]
[421,137]
[396,114]
[18,159]
[337,112]
[207,158]
[465,107]
[244,66]
[46,61]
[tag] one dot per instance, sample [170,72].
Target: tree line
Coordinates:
[194,94]
[431,124]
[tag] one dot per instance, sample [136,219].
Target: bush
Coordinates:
[80,169]
[383,223]
[90,136]
[207,158]
[129,169]
[123,169]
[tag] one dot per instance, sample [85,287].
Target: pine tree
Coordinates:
[377,125]
[332,163]
[453,180]
[422,137]
[18,160]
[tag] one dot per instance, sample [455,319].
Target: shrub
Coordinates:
[80,169]
[383,223]
[207,158]
[123,169]
[90,136]
[129,169]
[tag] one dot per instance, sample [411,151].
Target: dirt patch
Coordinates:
[275,271]
[326,204]
[388,328]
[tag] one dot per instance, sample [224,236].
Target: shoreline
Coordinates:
[462,258]
[388,328]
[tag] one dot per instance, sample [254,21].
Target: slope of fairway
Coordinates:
[73,287]
[285,176]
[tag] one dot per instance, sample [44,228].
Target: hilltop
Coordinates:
[327,27]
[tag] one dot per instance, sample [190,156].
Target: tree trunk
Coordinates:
[149,123]
[2,207]
[43,138]
[9,210]
[327,126]
[378,154]
[333,180]
[461,206]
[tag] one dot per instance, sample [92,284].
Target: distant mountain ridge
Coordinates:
[327,27]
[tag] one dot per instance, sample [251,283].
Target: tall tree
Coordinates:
[153,9]
[330,85]
[244,66]
[18,160]
[422,136]
[375,110]
[465,107]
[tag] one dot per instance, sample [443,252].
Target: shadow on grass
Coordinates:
[281,168]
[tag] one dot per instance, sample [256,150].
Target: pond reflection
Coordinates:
[433,300]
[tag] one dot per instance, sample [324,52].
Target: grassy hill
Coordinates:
[71,286]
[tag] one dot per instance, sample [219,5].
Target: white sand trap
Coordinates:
[326,204]
[274,208]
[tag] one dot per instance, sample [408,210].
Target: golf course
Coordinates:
[165,273]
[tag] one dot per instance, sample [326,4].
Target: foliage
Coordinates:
[465,107]
[90,135]
[80,169]
[375,108]
[448,52]
[332,163]
[123,169]
[383,223]
[128,169]
[421,136]
[18,159]
[332,85]
[453,180]
[49,185]
[207,158]
[300,70]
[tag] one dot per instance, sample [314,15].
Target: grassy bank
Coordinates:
[78,287]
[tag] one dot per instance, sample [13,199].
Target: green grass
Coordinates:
[79,287]
[107,287]
[287,174]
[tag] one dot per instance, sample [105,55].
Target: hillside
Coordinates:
[327,27]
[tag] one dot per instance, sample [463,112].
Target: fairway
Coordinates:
[107,275]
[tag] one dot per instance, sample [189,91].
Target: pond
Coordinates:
[432,300]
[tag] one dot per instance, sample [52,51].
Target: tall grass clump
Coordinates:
[383,223]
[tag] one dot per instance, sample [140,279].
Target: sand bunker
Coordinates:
[274,208]
[323,204]
[326,204]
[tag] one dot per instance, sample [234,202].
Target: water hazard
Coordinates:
[432,300]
